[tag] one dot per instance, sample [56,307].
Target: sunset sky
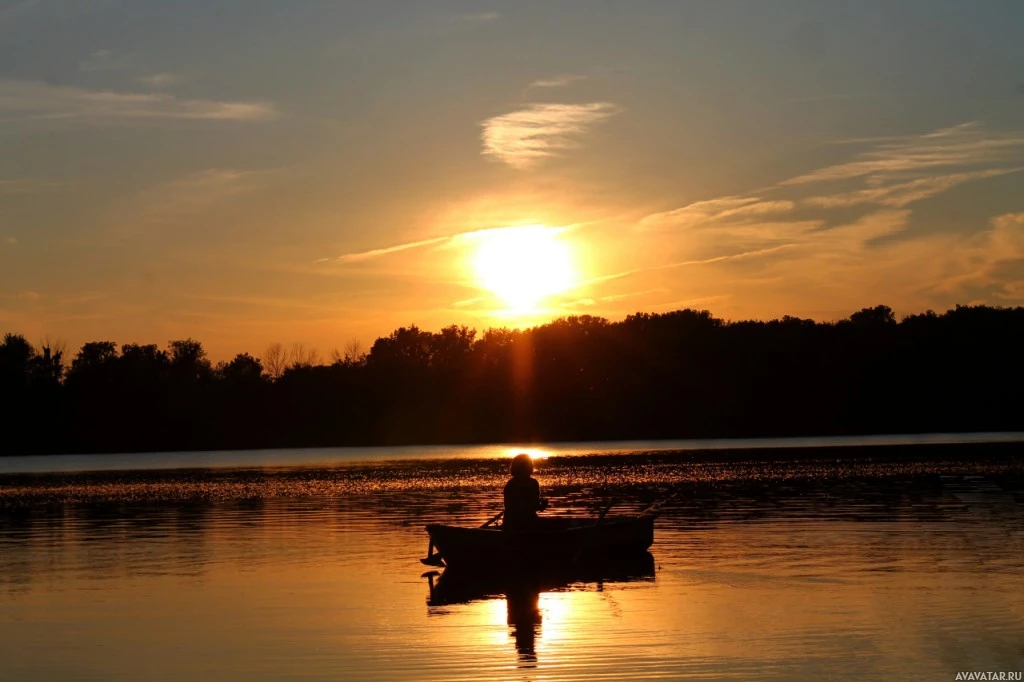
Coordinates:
[252,171]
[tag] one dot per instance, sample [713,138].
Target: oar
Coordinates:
[434,559]
[654,507]
[593,530]
[493,519]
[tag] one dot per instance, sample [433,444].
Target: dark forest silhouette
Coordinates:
[683,374]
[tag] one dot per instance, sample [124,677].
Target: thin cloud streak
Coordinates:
[192,195]
[632,294]
[524,138]
[892,176]
[967,144]
[159,80]
[105,60]
[703,261]
[374,253]
[468,302]
[557,81]
[714,210]
[902,194]
[456,239]
[35,101]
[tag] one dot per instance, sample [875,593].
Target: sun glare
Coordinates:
[524,266]
[534,453]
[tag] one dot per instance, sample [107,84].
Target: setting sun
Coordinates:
[524,265]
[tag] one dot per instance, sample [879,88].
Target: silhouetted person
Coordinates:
[522,494]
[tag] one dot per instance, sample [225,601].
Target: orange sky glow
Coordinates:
[366,169]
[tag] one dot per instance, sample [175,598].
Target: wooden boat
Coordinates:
[549,541]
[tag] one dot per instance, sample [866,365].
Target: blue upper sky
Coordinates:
[249,171]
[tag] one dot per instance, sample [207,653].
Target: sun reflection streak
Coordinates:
[555,610]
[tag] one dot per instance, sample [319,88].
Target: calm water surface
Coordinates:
[819,568]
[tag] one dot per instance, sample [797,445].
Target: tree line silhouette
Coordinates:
[682,374]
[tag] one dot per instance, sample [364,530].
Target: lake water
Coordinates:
[873,564]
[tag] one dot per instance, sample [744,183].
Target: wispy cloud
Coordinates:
[557,81]
[35,101]
[737,256]
[159,80]
[197,193]
[217,179]
[526,137]
[612,298]
[105,60]
[469,302]
[964,145]
[858,235]
[374,253]
[1011,291]
[890,176]
[950,267]
[902,194]
[464,239]
[742,255]
[1007,237]
[715,210]
[475,18]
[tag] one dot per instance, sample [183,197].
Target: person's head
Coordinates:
[521,466]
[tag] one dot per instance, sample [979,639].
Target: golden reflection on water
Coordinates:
[875,579]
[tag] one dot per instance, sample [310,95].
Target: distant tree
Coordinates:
[143,359]
[16,353]
[93,356]
[406,347]
[300,356]
[242,368]
[47,367]
[188,360]
[355,352]
[275,360]
[451,347]
[678,374]
[880,314]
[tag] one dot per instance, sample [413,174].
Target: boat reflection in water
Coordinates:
[522,590]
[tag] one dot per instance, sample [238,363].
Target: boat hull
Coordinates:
[550,542]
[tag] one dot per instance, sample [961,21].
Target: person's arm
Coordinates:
[539,503]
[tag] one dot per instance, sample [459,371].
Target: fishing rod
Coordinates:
[653,509]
